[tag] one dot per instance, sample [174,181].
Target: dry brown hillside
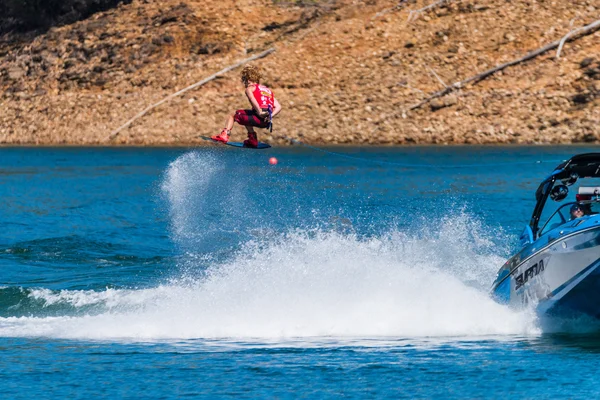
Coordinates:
[345,72]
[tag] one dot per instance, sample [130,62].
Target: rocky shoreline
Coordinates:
[345,72]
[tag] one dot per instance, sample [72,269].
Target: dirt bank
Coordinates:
[345,71]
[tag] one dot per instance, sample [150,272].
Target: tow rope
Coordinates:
[407,165]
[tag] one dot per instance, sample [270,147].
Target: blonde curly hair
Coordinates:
[250,73]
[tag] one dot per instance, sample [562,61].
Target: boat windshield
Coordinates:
[570,212]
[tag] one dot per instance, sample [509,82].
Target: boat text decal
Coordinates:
[529,273]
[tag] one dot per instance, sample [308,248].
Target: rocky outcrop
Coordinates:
[346,72]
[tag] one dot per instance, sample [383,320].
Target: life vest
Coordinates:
[266,101]
[264,97]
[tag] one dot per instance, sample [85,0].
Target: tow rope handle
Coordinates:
[270,118]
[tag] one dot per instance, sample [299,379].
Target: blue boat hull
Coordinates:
[582,298]
[559,274]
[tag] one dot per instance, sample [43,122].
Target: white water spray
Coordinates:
[300,284]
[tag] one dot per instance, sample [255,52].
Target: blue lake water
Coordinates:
[164,273]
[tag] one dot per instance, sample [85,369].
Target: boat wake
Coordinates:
[302,283]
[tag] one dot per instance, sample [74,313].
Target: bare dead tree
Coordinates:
[573,35]
[195,85]
[566,37]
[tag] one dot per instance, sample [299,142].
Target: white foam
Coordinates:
[427,282]
[303,284]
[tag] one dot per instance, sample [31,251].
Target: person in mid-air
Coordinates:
[264,107]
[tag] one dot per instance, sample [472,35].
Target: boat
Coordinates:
[557,269]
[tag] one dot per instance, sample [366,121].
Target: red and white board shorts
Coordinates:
[250,118]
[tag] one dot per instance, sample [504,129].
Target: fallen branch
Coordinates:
[438,78]
[195,85]
[565,38]
[389,10]
[584,30]
[420,10]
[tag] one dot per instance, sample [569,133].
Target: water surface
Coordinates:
[165,273]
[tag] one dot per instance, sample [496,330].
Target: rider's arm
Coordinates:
[253,101]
